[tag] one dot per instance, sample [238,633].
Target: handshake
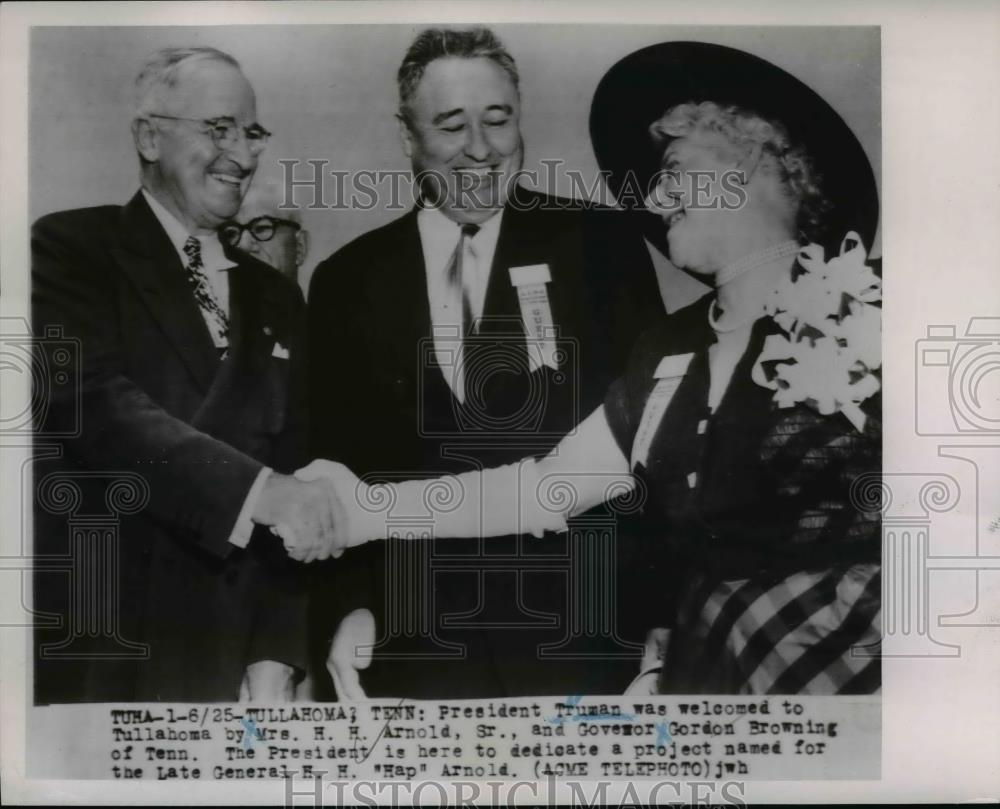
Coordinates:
[320,511]
[315,511]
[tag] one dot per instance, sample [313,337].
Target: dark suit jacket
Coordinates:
[370,325]
[186,434]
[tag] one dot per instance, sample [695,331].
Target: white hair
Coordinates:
[160,74]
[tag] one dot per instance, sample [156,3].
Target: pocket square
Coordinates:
[280,352]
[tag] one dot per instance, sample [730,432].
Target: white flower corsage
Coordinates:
[832,341]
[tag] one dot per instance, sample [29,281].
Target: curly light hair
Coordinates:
[790,163]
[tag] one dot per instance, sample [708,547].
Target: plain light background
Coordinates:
[329,93]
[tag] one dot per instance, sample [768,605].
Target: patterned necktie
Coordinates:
[215,316]
[456,279]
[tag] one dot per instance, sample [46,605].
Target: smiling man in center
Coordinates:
[471,330]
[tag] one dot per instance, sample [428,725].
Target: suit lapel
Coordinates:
[514,249]
[149,259]
[245,330]
[249,344]
[414,305]
[409,251]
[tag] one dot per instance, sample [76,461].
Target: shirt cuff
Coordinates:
[244,523]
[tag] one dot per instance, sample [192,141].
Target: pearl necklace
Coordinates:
[755,260]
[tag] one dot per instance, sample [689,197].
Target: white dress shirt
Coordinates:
[439,237]
[216,267]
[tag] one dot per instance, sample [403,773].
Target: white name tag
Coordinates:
[536,313]
[669,374]
[532,274]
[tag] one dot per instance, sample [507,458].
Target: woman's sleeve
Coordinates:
[528,497]
[587,466]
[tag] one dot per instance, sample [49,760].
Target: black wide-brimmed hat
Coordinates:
[640,88]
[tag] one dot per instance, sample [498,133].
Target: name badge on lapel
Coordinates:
[536,313]
[668,376]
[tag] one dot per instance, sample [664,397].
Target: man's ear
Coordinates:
[748,165]
[147,139]
[405,135]
[301,246]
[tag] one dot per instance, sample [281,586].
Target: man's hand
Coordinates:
[350,652]
[308,516]
[360,525]
[268,681]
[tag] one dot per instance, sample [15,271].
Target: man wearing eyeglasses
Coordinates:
[268,231]
[189,364]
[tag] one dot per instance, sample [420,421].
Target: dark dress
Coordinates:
[772,571]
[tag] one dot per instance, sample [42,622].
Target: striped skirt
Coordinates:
[812,632]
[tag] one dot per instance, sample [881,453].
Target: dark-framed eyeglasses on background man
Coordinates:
[262,228]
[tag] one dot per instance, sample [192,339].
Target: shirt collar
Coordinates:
[439,235]
[213,257]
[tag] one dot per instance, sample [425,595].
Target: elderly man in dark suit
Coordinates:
[476,328]
[190,365]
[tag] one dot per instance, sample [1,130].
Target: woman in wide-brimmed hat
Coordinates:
[749,420]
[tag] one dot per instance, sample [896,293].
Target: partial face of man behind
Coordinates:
[200,182]
[270,233]
[464,136]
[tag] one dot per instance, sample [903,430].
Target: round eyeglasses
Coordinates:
[262,228]
[225,132]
